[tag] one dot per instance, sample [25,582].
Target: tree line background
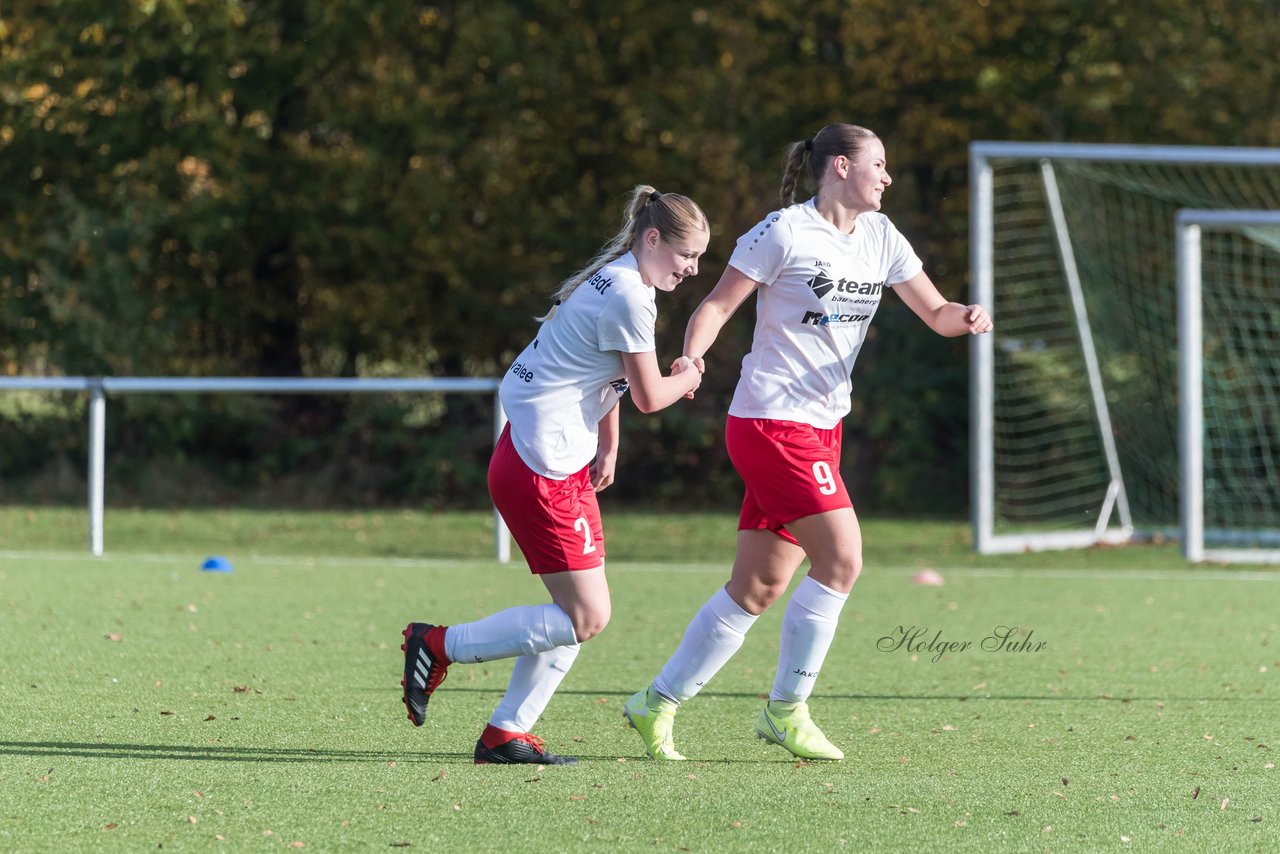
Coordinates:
[356,188]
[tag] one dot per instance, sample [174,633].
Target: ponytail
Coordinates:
[672,214]
[814,153]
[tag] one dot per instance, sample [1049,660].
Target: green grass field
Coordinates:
[145,704]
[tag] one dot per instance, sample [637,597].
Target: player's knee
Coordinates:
[590,622]
[844,571]
[756,598]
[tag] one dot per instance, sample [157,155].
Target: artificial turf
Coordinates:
[145,704]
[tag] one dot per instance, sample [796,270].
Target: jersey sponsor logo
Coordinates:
[817,318]
[822,284]
[522,372]
[620,385]
[600,282]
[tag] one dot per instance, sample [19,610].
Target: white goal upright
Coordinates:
[1076,416]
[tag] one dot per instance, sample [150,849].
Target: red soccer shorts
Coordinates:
[791,470]
[556,523]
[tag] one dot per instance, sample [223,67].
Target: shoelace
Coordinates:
[531,739]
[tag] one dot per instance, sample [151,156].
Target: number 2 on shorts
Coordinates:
[581,524]
[826,480]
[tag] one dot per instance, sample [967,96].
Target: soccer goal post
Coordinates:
[1075,401]
[1229,384]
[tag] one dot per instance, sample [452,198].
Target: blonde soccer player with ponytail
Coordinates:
[559,448]
[819,270]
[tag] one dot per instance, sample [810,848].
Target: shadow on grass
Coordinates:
[216,754]
[959,698]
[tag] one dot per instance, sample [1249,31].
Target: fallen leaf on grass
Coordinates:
[199,794]
[210,717]
[114,636]
[1225,801]
[192,820]
[577,797]
[111,826]
[592,820]
[443,775]
[168,713]
[1196,793]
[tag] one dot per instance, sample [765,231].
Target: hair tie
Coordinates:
[654,196]
[808,145]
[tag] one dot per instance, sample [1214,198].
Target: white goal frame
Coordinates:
[1191,223]
[99,387]
[1114,524]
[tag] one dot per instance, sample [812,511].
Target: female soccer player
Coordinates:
[819,270]
[559,448]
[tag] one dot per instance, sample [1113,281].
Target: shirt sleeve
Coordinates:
[627,321]
[763,251]
[904,264]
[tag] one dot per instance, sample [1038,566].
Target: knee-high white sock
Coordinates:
[523,630]
[533,680]
[808,627]
[714,635]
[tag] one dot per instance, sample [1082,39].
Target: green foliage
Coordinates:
[297,187]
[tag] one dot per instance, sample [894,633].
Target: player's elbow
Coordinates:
[644,401]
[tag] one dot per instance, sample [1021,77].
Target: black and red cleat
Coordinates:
[425,666]
[502,747]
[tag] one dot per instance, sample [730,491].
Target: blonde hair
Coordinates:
[675,216]
[834,139]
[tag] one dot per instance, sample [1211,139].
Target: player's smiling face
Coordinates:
[867,177]
[665,264]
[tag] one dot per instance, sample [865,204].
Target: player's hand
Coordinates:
[978,319]
[687,363]
[602,471]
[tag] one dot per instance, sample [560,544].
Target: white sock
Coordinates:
[808,627]
[714,635]
[523,630]
[533,680]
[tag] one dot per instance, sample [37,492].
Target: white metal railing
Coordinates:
[99,387]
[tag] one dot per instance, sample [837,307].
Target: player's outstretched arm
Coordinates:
[652,391]
[715,310]
[943,317]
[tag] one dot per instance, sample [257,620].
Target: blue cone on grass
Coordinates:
[217,563]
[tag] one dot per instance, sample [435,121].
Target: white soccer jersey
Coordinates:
[571,375]
[820,289]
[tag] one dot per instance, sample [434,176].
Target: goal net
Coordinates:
[1075,422]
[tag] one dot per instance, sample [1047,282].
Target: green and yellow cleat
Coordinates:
[652,716]
[789,725]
